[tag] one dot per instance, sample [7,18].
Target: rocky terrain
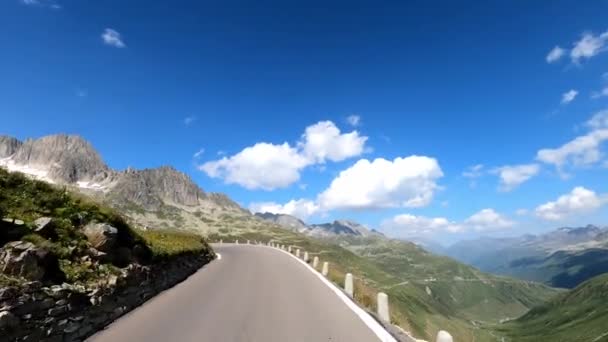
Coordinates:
[162,197]
[69,266]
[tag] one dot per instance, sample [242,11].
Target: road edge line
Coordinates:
[371,322]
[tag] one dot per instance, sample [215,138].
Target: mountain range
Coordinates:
[158,197]
[336,228]
[564,257]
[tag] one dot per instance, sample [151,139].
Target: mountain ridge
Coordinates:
[72,161]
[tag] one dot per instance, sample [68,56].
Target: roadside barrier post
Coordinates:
[305,256]
[383,311]
[315,262]
[297,253]
[444,336]
[348,285]
[325,270]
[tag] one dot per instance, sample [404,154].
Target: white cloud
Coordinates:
[354,120]
[569,96]
[522,212]
[323,141]
[511,176]
[113,38]
[189,120]
[598,121]
[601,93]
[403,182]
[42,3]
[473,172]
[198,153]
[588,46]
[301,208]
[555,54]
[578,201]
[268,166]
[411,225]
[261,166]
[583,150]
[488,219]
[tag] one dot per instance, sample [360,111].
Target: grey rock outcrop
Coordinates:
[101,236]
[286,221]
[25,260]
[67,158]
[8,146]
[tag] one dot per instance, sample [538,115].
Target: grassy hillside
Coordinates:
[427,292]
[26,200]
[577,315]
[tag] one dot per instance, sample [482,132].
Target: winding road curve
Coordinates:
[252,294]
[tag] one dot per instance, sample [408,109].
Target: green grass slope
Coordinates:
[26,200]
[580,314]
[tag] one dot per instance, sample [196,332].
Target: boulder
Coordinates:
[21,259]
[101,236]
[44,226]
[26,260]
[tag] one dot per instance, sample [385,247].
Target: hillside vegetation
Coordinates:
[577,315]
[63,240]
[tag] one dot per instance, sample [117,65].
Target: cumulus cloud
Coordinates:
[324,141]
[301,208]
[569,96]
[511,176]
[354,120]
[588,46]
[411,225]
[555,54]
[268,166]
[581,151]
[262,166]
[402,182]
[580,200]
[113,38]
[487,220]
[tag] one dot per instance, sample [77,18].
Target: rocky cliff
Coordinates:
[159,196]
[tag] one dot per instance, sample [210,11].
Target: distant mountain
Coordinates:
[577,315]
[159,197]
[284,220]
[564,257]
[333,229]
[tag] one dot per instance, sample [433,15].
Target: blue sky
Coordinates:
[457,84]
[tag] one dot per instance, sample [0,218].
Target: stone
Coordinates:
[58,310]
[26,260]
[101,236]
[72,327]
[20,259]
[44,226]
[47,303]
[8,320]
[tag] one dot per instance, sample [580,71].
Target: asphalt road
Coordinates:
[253,293]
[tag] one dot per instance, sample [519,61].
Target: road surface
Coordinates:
[252,294]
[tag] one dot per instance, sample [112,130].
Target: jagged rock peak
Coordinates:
[68,158]
[8,146]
